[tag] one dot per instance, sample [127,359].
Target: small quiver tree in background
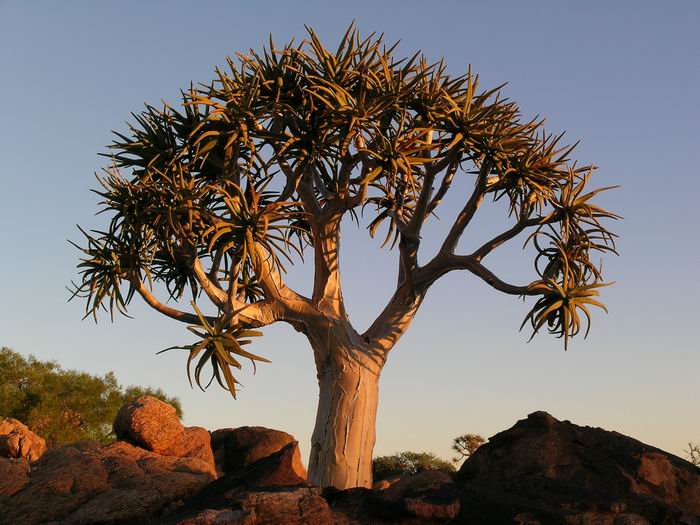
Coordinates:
[693,453]
[215,197]
[465,445]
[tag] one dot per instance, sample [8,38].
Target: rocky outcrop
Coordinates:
[544,471]
[119,483]
[17,441]
[237,448]
[152,424]
[540,472]
[160,465]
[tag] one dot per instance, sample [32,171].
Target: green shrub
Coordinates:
[408,463]
[64,406]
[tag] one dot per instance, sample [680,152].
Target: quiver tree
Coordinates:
[213,198]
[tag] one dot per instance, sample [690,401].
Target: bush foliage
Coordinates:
[64,406]
[408,463]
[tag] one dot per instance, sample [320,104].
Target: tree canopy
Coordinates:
[64,406]
[217,195]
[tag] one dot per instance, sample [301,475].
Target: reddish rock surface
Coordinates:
[119,483]
[151,424]
[17,441]
[13,476]
[244,446]
[196,443]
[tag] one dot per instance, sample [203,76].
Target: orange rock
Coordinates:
[149,423]
[153,425]
[17,441]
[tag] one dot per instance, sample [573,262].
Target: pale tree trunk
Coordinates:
[344,435]
[348,366]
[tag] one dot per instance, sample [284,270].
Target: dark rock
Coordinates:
[547,471]
[360,506]
[288,506]
[276,470]
[428,479]
[244,446]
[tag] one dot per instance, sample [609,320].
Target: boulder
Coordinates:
[543,470]
[119,483]
[265,475]
[244,446]
[149,423]
[152,424]
[17,441]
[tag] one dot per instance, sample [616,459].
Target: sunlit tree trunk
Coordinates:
[344,434]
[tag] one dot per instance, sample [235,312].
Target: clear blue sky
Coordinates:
[623,77]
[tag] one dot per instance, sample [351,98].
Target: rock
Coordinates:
[267,474]
[288,506]
[13,475]
[244,446]
[383,484]
[426,480]
[218,447]
[360,506]
[153,425]
[17,441]
[194,444]
[119,483]
[60,482]
[427,495]
[434,506]
[149,423]
[221,517]
[548,471]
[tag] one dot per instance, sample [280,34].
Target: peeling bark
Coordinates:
[344,434]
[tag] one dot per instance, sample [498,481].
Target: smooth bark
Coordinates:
[344,434]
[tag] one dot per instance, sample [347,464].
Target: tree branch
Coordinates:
[327,294]
[215,294]
[444,187]
[447,263]
[284,304]
[521,225]
[467,213]
[154,303]
[394,319]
